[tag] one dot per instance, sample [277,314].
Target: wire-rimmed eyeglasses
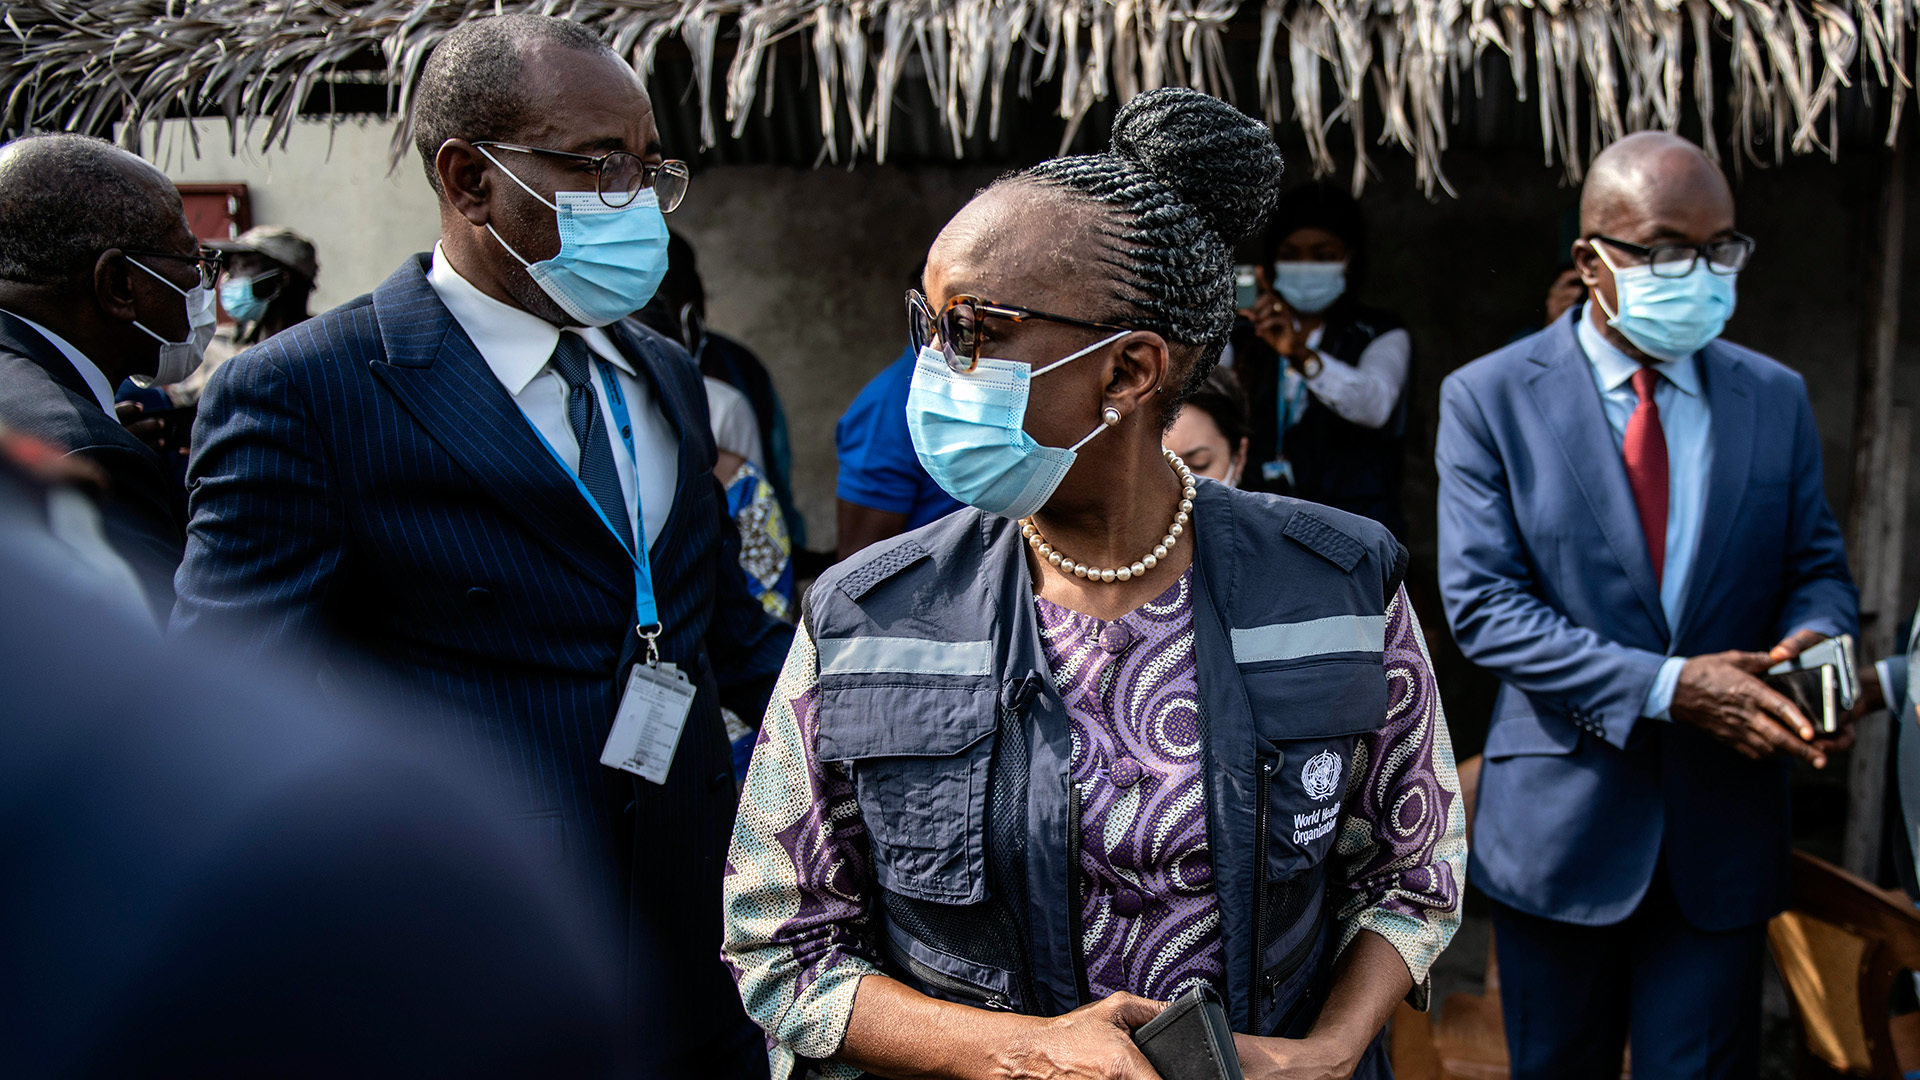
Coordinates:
[619,177]
[1672,260]
[208,261]
[957,327]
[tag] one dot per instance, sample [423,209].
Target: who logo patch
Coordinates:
[1320,776]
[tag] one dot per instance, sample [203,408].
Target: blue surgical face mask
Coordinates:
[969,432]
[1310,287]
[241,296]
[610,262]
[1668,318]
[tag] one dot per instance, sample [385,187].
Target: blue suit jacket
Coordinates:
[364,478]
[1548,584]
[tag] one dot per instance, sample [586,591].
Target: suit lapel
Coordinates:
[1564,392]
[1730,408]
[432,367]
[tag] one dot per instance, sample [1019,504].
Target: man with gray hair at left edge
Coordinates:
[490,484]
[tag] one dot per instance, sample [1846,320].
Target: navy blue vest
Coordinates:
[1335,461]
[935,696]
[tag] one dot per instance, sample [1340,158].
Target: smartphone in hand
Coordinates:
[1246,288]
[1821,681]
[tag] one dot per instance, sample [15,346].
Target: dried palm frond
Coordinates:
[1599,68]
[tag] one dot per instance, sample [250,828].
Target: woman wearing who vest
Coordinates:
[1112,732]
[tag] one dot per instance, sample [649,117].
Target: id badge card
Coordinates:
[646,730]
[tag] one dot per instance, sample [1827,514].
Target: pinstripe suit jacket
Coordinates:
[364,479]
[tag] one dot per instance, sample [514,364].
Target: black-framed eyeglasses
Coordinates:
[957,328]
[208,261]
[1724,257]
[619,177]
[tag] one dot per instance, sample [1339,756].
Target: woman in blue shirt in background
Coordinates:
[883,490]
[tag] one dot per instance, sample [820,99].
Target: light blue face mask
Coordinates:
[611,261]
[1310,287]
[241,297]
[1668,318]
[968,431]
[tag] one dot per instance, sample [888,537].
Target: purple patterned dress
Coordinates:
[1149,922]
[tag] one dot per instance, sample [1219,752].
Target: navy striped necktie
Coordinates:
[597,473]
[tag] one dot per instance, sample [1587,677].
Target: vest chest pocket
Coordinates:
[919,757]
[1309,718]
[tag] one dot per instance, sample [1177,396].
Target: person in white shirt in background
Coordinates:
[1326,376]
[766,547]
[735,431]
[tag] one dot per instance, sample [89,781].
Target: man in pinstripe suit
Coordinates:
[433,474]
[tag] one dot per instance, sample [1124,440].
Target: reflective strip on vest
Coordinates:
[904,656]
[1317,637]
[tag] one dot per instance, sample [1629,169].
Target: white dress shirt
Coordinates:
[1684,418]
[96,379]
[1363,392]
[518,345]
[735,429]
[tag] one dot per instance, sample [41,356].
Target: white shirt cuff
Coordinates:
[1881,672]
[1660,694]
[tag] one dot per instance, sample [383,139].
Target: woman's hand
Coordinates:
[1275,323]
[898,1032]
[1312,1058]
[1093,1042]
[1368,980]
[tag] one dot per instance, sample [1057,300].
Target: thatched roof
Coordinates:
[1753,71]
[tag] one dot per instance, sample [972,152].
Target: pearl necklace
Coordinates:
[1147,562]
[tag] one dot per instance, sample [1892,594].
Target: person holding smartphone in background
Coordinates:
[1327,376]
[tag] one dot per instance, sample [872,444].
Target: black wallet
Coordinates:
[1190,1039]
[1820,681]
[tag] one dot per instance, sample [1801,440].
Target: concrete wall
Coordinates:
[807,267]
[329,183]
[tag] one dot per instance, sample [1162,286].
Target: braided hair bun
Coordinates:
[1220,161]
[1188,176]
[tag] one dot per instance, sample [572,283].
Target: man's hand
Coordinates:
[1311,1058]
[150,430]
[1093,1042]
[1800,641]
[1722,695]
[1793,645]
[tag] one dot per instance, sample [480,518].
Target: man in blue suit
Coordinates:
[1631,516]
[503,496]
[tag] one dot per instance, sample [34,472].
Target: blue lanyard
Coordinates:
[646,614]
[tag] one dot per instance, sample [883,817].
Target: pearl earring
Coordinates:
[1111,416]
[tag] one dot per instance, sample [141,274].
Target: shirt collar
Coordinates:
[515,343]
[90,373]
[1616,368]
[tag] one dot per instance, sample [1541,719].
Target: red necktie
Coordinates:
[1646,453]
